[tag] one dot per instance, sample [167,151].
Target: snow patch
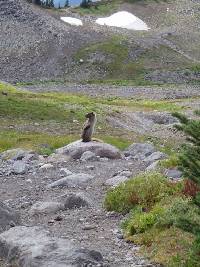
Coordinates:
[72,21]
[124,19]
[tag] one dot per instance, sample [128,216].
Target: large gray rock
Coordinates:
[19,167]
[8,217]
[34,247]
[103,150]
[139,150]
[46,207]
[73,180]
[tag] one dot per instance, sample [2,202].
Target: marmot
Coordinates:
[88,127]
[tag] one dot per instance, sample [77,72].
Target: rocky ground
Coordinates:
[65,196]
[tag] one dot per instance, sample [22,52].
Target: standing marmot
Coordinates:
[88,127]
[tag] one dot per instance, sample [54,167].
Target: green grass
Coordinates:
[62,107]
[35,117]
[101,9]
[45,143]
[34,140]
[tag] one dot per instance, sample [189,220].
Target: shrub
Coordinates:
[190,188]
[141,221]
[145,190]
[189,159]
[174,211]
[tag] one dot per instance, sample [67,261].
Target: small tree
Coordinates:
[85,3]
[189,159]
[66,3]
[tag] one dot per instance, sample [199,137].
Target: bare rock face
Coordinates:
[8,217]
[103,150]
[33,246]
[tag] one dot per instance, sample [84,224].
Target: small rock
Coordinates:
[116,180]
[104,159]
[89,227]
[153,166]
[65,172]
[46,166]
[88,156]
[58,218]
[155,156]
[51,222]
[19,167]
[47,207]
[8,218]
[91,167]
[139,150]
[79,179]
[77,200]
[173,173]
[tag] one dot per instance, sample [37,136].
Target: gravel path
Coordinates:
[90,227]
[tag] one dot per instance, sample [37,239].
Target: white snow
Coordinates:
[72,21]
[124,19]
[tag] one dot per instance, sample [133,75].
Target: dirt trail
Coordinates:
[90,227]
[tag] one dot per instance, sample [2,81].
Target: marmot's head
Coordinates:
[90,115]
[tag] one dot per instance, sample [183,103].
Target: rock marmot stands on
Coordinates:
[88,127]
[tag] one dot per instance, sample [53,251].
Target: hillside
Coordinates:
[37,45]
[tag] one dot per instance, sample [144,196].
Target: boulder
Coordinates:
[33,246]
[116,180]
[19,167]
[139,150]
[88,156]
[73,180]
[103,150]
[47,207]
[8,217]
